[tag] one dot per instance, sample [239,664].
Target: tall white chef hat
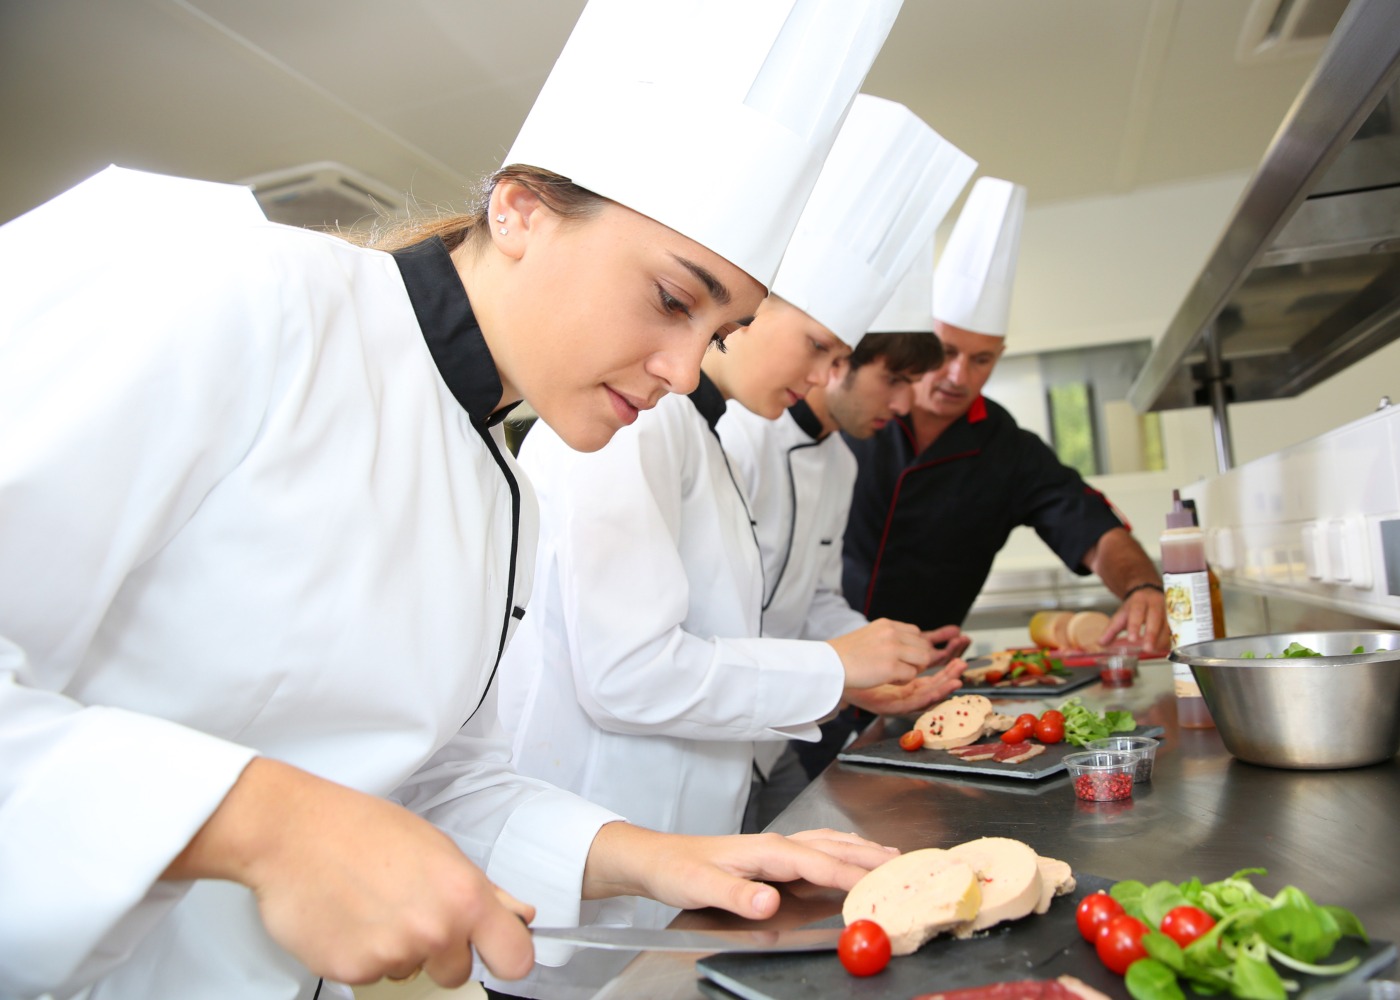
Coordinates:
[910,308]
[886,185]
[972,283]
[712,117]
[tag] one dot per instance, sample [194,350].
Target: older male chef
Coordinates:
[938,494]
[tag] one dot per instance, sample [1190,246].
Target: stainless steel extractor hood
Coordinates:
[1305,279]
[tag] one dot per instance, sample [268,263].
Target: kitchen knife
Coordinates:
[661,939]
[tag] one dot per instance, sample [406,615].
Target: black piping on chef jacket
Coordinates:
[924,528]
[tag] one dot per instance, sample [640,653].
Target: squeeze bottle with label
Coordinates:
[1217,597]
[1186,583]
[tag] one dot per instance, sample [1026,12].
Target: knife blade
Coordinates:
[661,939]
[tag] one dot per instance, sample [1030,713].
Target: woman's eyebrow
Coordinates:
[715,287]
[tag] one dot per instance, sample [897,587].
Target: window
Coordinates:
[1076,400]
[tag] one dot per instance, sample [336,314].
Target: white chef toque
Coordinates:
[910,308]
[972,283]
[886,185]
[712,117]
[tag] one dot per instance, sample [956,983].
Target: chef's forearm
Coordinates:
[617,860]
[1120,562]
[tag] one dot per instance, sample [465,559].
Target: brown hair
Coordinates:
[560,195]
[904,353]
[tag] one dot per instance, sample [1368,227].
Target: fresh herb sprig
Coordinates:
[1083,724]
[1235,955]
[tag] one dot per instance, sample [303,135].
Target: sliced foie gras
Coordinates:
[1085,628]
[1008,875]
[955,722]
[1056,879]
[915,897]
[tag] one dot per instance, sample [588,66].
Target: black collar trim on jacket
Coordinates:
[708,400]
[807,420]
[450,329]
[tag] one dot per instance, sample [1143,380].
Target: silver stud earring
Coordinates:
[504,230]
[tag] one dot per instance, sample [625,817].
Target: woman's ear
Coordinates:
[517,213]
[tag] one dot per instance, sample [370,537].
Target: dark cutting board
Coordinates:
[887,753]
[1036,947]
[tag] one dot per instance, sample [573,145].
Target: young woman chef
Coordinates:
[639,680]
[261,546]
[797,471]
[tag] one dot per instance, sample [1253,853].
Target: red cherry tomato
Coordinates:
[912,740]
[1119,943]
[1051,715]
[1026,719]
[995,676]
[1017,734]
[1050,730]
[864,948]
[1094,911]
[1033,669]
[1183,924]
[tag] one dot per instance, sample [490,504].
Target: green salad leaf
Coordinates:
[1255,936]
[1083,724]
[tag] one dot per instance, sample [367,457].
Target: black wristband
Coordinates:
[1142,586]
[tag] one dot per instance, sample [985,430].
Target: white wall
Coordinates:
[1114,269]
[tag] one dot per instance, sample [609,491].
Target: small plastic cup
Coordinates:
[1143,749]
[1102,775]
[1118,669]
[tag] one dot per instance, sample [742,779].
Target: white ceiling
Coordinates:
[1074,98]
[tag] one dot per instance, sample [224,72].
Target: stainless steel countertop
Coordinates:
[1332,833]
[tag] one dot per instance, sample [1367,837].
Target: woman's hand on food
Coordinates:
[357,888]
[917,695]
[883,652]
[727,872]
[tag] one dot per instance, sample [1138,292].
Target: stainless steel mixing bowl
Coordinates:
[1332,711]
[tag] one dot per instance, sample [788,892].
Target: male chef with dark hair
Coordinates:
[797,472]
[939,492]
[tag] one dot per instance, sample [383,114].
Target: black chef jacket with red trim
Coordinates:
[925,528]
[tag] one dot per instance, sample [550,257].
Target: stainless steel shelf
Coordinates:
[1305,280]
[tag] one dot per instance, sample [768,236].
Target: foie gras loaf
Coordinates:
[915,897]
[1008,873]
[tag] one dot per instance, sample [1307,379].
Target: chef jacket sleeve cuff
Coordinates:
[800,684]
[539,859]
[95,820]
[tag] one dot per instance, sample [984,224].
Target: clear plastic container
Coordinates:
[1102,775]
[1117,669]
[1143,749]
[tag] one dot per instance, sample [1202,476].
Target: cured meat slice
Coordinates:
[1008,875]
[978,751]
[1064,988]
[1015,753]
[915,897]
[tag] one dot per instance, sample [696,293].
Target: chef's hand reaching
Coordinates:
[917,695]
[692,872]
[949,643]
[883,652]
[355,887]
[1141,620]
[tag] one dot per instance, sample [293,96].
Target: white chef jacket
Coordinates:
[799,487]
[252,501]
[637,680]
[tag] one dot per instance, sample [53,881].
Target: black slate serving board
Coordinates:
[887,753]
[1082,677]
[1037,947]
